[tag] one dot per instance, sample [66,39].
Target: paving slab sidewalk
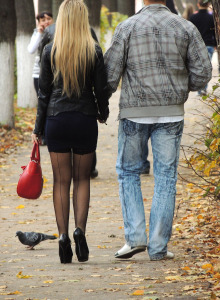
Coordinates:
[102,277]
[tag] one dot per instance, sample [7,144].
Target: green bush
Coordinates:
[205,161]
[108,22]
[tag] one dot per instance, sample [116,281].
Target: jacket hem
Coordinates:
[152,111]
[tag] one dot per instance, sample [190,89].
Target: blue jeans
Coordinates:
[132,152]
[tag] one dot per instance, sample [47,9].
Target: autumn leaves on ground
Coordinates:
[38,274]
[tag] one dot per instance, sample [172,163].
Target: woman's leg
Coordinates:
[82,165]
[62,175]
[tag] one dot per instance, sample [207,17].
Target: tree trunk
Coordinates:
[55,8]
[44,5]
[216,15]
[7,46]
[126,7]
[25,61]
[94,7]
[110,4]
[179,6]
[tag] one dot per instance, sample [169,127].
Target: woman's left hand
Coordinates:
[35,138]
[101,121]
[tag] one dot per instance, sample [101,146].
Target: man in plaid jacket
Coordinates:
[161,57]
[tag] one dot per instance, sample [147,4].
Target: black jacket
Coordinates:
[93,100]
[171,6]
[204,21]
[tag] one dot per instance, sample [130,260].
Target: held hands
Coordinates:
[100,120]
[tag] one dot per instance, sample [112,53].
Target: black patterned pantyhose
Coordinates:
[65,167]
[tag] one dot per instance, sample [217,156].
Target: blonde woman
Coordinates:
[72,96]
[188,11]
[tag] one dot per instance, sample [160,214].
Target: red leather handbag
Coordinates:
[30,183]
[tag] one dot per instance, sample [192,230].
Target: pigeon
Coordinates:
[32,239]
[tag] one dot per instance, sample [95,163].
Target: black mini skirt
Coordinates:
[71,132]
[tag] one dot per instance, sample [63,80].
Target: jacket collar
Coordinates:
[153,7]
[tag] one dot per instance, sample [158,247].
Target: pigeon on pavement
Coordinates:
[32,239]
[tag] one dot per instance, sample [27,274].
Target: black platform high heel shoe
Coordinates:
[65,250]
[82,250]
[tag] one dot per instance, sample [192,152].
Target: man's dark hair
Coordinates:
[203,3]
[42,14]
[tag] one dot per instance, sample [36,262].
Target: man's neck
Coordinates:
[202,8]
[148,2]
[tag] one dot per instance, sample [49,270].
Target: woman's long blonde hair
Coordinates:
[73,51]
[188,12]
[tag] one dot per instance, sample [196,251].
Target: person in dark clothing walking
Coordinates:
[72,96]
[204,21]
[47,38]
[171,6]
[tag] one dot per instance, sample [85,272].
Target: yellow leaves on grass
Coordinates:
[175,278]
[45,180]
[26,222]
[21,276]
[207,266]
[21,206]
[138,293]
[186,268]
[10,293]
[24,122]
[143,292]
[102,247]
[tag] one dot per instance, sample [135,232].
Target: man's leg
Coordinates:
[165,140]
[131,161]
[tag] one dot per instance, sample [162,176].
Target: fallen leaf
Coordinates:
[20,206]
[11,293]
[186,268]
[138,293]
[20,275]
[207,266]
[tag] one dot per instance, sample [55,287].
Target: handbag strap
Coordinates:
[35,154]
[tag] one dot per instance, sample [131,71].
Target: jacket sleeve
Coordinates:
[101,90]
[198,62]
[44,92]
[115,59]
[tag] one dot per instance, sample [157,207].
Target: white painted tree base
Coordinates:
[7,84]
[25,61]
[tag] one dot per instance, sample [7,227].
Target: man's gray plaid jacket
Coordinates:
[161,57]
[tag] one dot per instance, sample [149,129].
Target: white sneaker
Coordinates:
[169,255]
[127,251]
